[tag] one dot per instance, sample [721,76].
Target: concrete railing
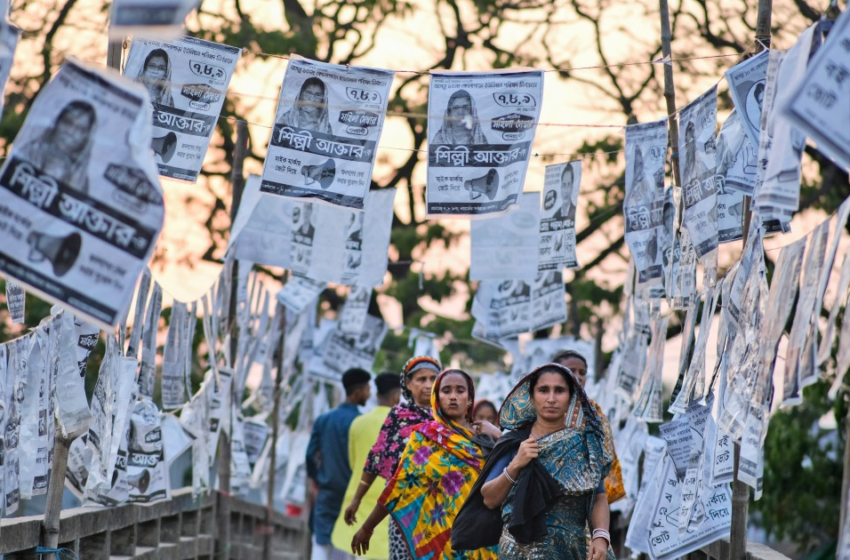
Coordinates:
[177,529]
[719,550]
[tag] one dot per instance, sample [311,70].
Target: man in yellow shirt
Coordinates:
[361,437]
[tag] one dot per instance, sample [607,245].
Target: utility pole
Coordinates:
[237,182]
[670,88]
[740,491]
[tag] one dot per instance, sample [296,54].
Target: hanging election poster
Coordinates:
[480,130]
[737,164]
[354,312]
[16,300]
[697,122]
[279,231]
[646,153]
[148,18]
[558,216]
[81,203]
[147,469]
[325,137]
[506,247]
[778,194]
[186,81]
[815,107]
[345,350]
[746,86]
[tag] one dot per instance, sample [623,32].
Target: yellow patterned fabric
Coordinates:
[614,488]
[435,475]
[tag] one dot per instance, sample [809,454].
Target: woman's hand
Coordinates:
[485,427]
[351,512]
[360,542]
[528,450]
[598,549]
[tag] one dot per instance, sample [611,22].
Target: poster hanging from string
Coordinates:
[558,216]
[480,130]
[326,132]
[186,81]
[82,211]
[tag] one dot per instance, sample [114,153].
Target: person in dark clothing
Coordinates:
[327,461]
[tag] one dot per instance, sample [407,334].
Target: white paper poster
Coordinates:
[81,209]
[558,216]
[480,130]
[506,247]
[697,123]
[353,315]
[345,351]
[186,81]
[646,153]
[299,292]
[16,299]
[280,231]
[779,190]
[326,132]
[147,469]
[737,166]
[817,106]
[9,35]
[746,86]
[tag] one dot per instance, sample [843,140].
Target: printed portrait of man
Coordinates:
[567,211]
[155,75]
[460,122]
[64,150]
[310,109]
[302,220]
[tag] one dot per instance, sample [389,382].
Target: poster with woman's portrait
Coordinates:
[697,149]
[186,81]
[646,153]
[558,216]
[81,203]
[480,130]
[325,137]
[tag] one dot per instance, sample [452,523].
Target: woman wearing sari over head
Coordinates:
[310,109]
[417,380]
[440,464]
[542,484]
[460,122]
[577,364]
[155,75]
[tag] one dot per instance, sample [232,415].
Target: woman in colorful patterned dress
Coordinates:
[440,464]
[544,479]
[417,379]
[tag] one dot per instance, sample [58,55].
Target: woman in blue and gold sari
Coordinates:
[543,483]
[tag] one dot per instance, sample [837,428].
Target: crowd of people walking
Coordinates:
[432,473]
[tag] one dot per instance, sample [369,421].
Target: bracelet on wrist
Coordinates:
[602,534]
[508,476]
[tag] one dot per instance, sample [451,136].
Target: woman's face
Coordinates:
[72,131]
[454,396]
[156,70]
[312,98]
[551,397]
[420,385]
[578,367]
[460,109]
[485,413]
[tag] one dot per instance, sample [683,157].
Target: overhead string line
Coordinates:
[427,116]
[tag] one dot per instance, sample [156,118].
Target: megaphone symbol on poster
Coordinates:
[140,481]
[165,146]
[62,252]
[323,174]
[486,185]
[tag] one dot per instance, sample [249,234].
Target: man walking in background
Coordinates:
[362,436]
[327,461]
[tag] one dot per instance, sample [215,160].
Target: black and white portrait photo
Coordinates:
[310,108]
[64,150]
[155,75]
[460,122]
[566,210]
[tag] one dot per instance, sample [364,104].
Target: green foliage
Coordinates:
[803,472]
